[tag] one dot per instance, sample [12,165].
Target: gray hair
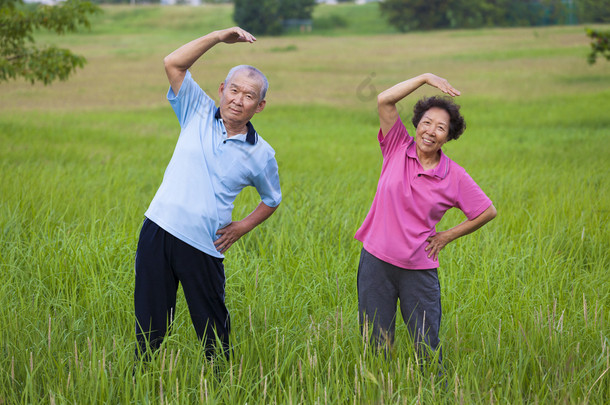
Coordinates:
[251,72]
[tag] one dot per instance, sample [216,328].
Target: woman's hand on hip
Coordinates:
[436,243]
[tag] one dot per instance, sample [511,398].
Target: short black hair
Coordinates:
[457,124]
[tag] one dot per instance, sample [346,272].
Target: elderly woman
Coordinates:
[417,185]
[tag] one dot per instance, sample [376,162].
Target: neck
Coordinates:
[234,128]
[428,161]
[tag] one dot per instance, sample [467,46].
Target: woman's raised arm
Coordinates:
[386,100]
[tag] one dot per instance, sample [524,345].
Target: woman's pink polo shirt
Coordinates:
[410,201]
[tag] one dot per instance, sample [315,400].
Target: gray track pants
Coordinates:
[381,285]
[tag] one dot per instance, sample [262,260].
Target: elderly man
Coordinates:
[188,224]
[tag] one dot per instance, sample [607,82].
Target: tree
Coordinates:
[433,14]
[600,43]
[266,17]
[19,54]
[408,15]
[296,9]
[594,11]
[258,17]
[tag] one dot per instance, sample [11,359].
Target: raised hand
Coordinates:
[235,34]
[441,84]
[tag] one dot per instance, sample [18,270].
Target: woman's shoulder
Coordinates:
[454,169]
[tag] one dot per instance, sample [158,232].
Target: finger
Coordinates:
[249,37]
[220,240]
[246,36]
[221,248]
[454,92]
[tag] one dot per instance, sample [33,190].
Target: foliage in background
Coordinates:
[408,15]
[600,44]
[19,54]
[594,11]
[269,16]
[260,17]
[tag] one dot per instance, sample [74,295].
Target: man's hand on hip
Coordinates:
[229,235]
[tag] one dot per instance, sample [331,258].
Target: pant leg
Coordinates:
[377,298]
[155,287]
[420,305]
[203,282]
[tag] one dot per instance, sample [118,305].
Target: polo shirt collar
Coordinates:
[440,171]
[251,136]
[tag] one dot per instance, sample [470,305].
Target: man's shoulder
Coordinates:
[263,147]
[190,89]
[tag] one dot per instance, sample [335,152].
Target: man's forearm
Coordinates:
[258,216]
[177,62]
[235,230]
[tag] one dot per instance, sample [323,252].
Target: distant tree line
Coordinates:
[270,17]
[406,15]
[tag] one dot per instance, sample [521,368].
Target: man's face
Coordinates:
[240,97]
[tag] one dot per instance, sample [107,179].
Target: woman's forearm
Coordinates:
[470,226]
[386,100]
[437,242]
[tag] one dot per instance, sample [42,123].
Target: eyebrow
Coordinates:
[430,119]
[233,85]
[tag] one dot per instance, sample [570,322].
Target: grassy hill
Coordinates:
[525,299]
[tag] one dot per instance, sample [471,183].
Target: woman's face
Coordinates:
[432,132]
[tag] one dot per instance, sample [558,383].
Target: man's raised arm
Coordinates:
[177,62]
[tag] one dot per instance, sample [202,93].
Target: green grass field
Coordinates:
[526,300]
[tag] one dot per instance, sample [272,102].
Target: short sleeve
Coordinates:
[267,184]
[190,99]
[397,139]
[471,199]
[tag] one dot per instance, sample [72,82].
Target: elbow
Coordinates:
[167,62]
[172,64]
[492,212]
[384,104]
[382,100]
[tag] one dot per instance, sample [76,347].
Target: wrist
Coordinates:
[215,36]
[244,226]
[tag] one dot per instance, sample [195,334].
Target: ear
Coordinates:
[261,106]
[221,89]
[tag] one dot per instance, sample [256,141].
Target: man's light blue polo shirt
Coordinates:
[208,170]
